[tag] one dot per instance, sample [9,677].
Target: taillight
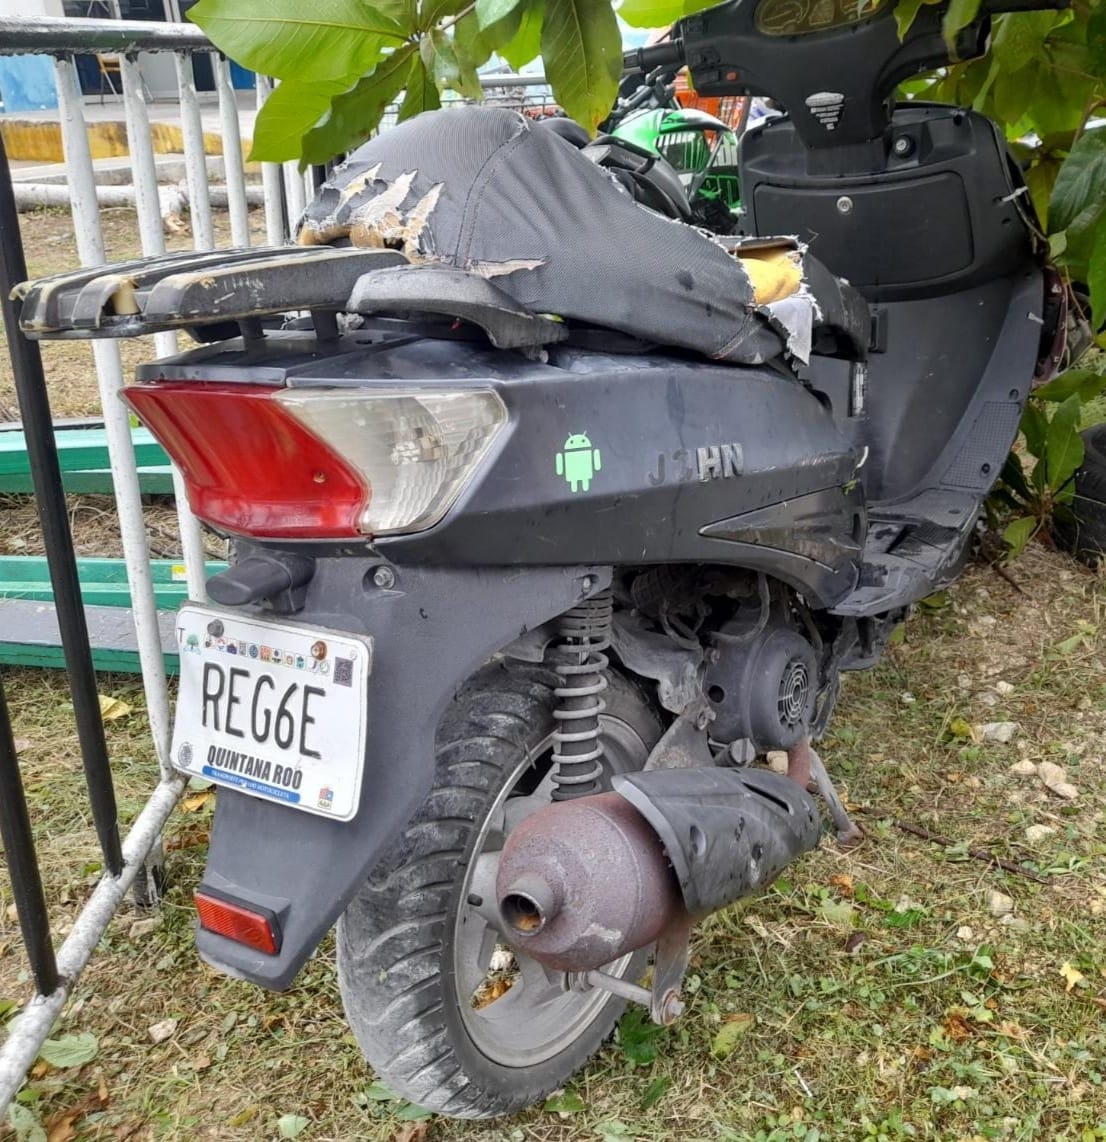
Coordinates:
[249,465]
[320,463]
[257,928]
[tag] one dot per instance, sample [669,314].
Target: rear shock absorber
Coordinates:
[585,633]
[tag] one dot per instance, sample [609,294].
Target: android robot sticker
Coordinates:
[578,462]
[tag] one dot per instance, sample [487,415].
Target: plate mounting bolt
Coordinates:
[845,204]
[384,578]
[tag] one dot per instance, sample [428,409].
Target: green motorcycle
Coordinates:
[703,150]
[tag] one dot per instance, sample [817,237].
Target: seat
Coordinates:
[482,190]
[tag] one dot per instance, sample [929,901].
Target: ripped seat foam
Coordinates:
[481,189]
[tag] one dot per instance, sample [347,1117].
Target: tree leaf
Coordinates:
[906,12]
[325,39]
[1033,427]
[1085,383]
[1080,183]
[566,1101]
[490,12]
[525,45]
[444,66]
[959,15]
[292,1125]
[1096,39]
[410,1112]
[582,49]
[435,10]
[1020,38]
[1013,476]
[654,1092]
[1019,533]
[421,94]
[25,1123]
[70,1050]
[638,1036]
[1063,444]
[659,13]
[1096,277]
[734,1028]
[291,110]
[355,114]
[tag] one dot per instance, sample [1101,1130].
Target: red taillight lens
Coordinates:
[224,917]
[249,465]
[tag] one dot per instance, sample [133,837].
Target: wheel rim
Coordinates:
[538,1015]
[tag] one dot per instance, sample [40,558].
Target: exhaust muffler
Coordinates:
[583,882]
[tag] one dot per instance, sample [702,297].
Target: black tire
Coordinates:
[399,940]
[1085,533]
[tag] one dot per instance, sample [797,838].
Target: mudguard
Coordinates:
[431,630]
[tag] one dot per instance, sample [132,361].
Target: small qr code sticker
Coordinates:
[343,671]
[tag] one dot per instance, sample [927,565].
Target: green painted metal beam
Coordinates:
[103,581]
[83,455]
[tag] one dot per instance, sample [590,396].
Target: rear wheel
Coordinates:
[447,1015]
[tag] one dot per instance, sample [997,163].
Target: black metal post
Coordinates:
[38,428]
[19,851]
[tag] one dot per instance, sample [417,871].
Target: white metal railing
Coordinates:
[285,193]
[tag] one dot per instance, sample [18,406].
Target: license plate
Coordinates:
[272,709]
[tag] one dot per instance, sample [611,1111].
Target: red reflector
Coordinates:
[250,467]
[255,929]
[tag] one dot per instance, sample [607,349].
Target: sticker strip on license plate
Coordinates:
[273,709]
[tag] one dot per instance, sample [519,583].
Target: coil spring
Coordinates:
[585,631]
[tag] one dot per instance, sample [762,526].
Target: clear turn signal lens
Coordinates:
[415,448]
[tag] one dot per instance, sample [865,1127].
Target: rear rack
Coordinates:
[215,295]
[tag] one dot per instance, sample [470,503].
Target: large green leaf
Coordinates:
[1063,444]
[433,12]
[357,113]
[474,45]
[490,12]
[1081,183]
[1096,276]
[1013,476]
[1083,383]
[1020,39]
[319,40]
[959,15]
[906,12]
[660,13]
[1033,427]
[525,45]
[582,49]
[1019,533]
[1096,38]
[287,115]
[421,92]
[445,68]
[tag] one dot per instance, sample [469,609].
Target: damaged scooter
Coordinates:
[551,515]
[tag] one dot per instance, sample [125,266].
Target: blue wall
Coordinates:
[27,83]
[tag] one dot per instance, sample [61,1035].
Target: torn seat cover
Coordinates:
[484,191]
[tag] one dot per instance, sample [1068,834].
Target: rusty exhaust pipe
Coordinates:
[583,882]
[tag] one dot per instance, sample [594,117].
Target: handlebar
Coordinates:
[648,59]
[671,53]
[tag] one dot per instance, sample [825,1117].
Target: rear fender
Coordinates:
[430,631]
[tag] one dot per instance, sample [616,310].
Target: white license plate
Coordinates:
[272,709]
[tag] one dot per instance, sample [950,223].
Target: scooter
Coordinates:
[551,516]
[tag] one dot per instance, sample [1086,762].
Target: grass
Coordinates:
[871,994]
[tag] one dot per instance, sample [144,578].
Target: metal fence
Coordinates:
[284,192]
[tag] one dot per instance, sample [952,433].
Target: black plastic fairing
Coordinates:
[431,629]
[836,83]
